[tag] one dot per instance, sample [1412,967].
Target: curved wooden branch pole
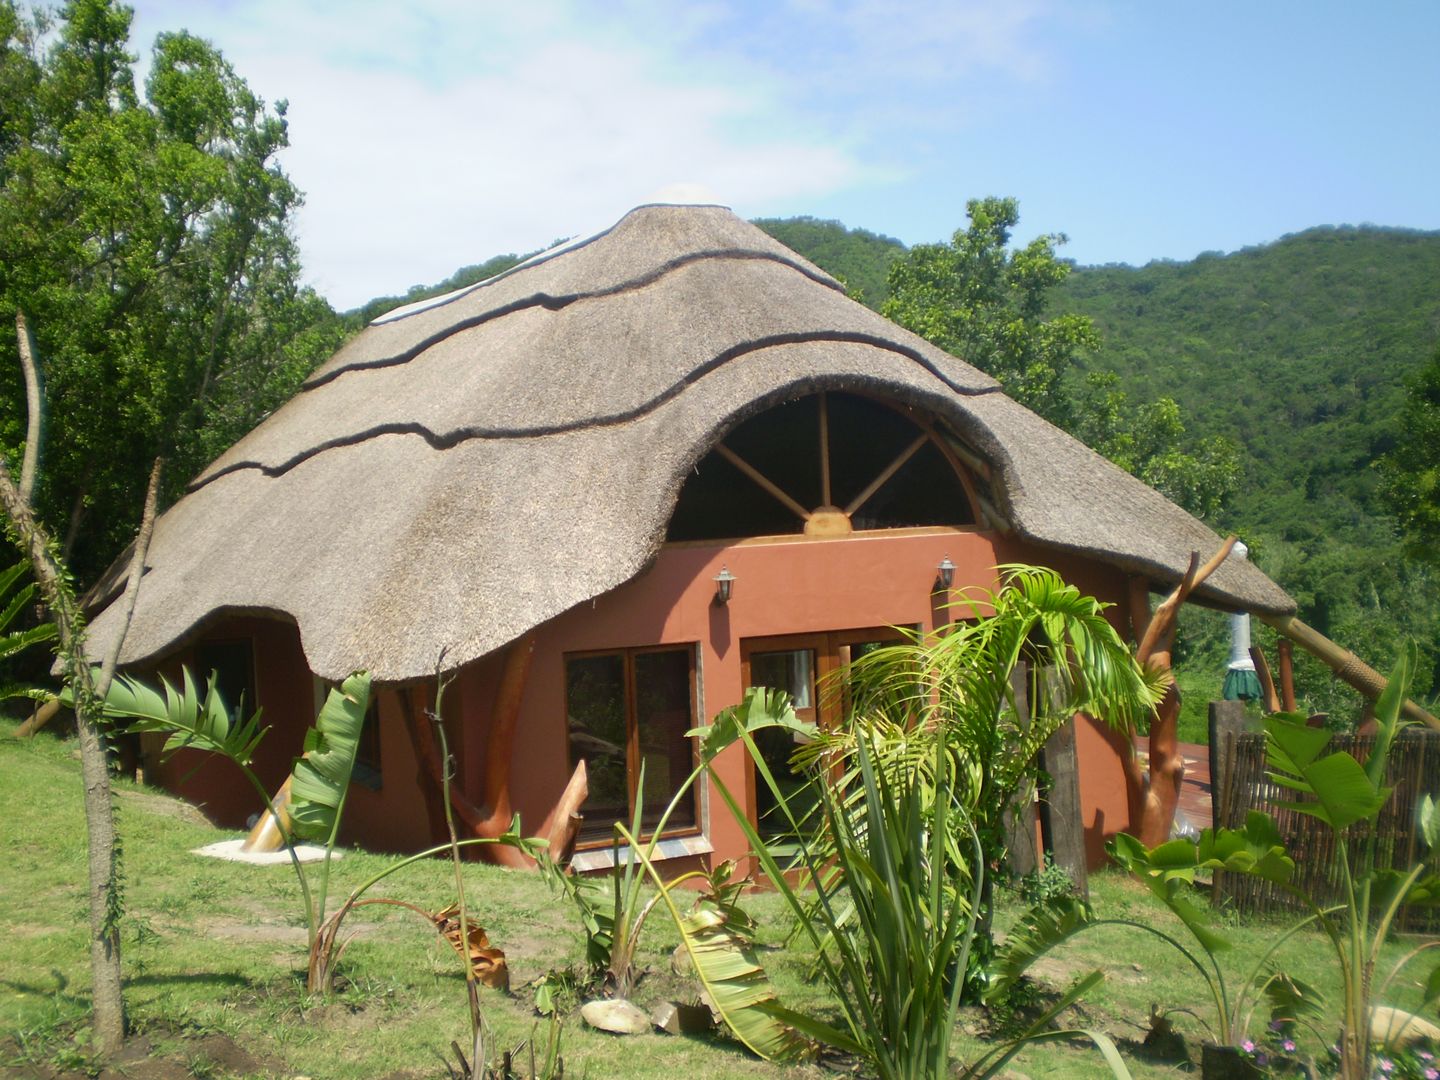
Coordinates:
[1157,641]
[491,820]
[1348,667]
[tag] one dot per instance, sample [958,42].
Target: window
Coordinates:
[628,711]
[805,667]
[824,464]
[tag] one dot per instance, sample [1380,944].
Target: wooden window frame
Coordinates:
[632,733]
[820,519]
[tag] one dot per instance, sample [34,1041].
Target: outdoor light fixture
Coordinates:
[724,584]
[946,576]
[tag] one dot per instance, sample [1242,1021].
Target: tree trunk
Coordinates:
[108,1020]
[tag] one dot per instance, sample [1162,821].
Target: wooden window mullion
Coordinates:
[632,734]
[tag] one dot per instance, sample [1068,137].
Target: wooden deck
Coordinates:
[1195,788]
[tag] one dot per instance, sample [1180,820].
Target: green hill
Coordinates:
[1297,350]
[859,258]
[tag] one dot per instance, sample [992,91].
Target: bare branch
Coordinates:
[31,462]
[132,581]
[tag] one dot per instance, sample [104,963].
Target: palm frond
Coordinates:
[184,717]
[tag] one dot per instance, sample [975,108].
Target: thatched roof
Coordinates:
[466,469]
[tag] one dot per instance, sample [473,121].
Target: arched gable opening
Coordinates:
[824,465]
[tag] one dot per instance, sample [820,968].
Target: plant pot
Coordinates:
[1228,1063]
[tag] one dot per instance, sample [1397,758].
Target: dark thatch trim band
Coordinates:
[465,434]
[557,303]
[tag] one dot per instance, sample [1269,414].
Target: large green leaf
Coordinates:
[1387,713]
[1169,868]
[736,984]
[321,775]
[762,707]
[184,717]
[1342,791]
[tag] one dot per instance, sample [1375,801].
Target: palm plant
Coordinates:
[969,709]
[320,778]
[892,942]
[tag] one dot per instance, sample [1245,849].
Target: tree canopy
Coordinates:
[982,301]
[987,303]
[148,241]
[1410,473]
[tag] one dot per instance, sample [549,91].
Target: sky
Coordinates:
[433,134]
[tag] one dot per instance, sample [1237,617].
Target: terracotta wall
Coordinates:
[390,817]
[782,587]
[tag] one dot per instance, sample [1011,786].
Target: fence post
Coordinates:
[1060,814]
[1227,721]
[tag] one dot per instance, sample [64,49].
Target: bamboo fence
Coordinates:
[1414,770]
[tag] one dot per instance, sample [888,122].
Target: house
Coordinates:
[534,487]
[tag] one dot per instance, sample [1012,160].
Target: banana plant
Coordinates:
[319,782]
[1345,794]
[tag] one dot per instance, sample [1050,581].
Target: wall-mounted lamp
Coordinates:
[724,585]
[946,574]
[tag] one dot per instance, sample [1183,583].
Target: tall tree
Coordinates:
[976,298]
[149,240]
[986,303]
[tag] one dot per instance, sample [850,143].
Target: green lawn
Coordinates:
[213,952]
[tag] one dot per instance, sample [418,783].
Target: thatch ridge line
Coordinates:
[562,247]
[446,441]
[559,303]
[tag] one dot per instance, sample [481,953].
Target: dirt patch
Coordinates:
[251,932]
[214,1055]
[164,806]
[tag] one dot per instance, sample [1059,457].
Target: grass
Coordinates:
[214,957]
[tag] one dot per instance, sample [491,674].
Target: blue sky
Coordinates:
[435,133]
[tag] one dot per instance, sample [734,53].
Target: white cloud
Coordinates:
[431,136]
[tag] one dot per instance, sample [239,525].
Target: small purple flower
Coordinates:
[1432,1074]
[1277,1025]
[1262,1060]
[1424,1055]
[1248,1046]
[1387,1066]
[1288,1046]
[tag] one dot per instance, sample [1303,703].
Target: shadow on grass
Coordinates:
[228,978]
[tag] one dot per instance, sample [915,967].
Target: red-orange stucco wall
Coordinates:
[789,586]
[782,587]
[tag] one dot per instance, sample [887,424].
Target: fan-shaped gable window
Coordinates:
[823,465]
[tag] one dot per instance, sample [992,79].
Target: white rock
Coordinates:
[615,1015]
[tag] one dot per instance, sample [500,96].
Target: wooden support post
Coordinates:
[1227,721]
[1348,667]
[1062,821]
[1287,674]
[42,715]
[1019,817]
[1167,767]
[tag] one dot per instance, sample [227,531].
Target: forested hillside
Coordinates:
[1298,351]
[859,258]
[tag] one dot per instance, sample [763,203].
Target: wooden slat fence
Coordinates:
[1414,769]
